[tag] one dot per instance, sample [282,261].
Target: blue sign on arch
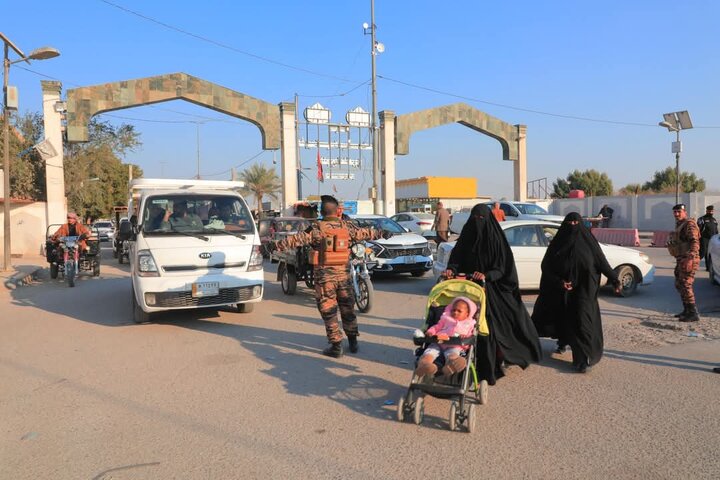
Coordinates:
[350,207]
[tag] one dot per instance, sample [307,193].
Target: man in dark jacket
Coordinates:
[708,226]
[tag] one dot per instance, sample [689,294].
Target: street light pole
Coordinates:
[377,205]
[38,54]
[674,122]
[677,167]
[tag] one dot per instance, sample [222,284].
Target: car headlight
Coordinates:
[358,250]
[377,248]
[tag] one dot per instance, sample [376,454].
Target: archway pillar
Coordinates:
[387,156]
[520,165]
[56,205]
[288,155]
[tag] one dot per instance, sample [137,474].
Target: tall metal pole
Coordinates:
[677,169]
[6,163]
[377,204]
[197,138]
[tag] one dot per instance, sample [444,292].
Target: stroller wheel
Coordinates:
[401,409]
[471,418]
[419,411]
[482,393]
[452,419]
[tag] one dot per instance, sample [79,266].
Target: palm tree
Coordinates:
[260,181]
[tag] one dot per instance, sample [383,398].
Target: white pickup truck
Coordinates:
[194,245]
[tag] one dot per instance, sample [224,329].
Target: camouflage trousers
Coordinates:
[332,294]
[684,279]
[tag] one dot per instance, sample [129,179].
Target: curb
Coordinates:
[21,279]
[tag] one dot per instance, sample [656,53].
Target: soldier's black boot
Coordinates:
[692,315]
[335,350]
[352,341]
[684,312]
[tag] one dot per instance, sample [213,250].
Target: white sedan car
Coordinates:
[529,240]
[416,222]
[714,259]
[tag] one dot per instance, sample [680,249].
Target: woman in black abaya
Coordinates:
[567,307]
[482,253]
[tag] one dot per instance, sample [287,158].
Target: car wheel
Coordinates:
[711,268]
[628,280]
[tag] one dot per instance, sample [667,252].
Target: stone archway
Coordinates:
[275,122]
[511,138]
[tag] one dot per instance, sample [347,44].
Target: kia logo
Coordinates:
[205,255]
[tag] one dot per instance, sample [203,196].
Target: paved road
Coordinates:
[87,394]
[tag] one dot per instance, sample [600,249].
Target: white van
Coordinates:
[194,245]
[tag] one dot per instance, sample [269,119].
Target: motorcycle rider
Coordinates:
[72,228]
[330,240]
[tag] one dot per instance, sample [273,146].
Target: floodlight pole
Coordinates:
[6,162]
[377,204]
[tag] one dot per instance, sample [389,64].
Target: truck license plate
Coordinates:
[410,259]
[206,289]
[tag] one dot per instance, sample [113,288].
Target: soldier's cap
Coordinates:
[710,207]
[679,206]
[328,199]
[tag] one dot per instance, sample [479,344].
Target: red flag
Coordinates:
[320,175]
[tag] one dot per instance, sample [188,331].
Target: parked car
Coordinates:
[403,252]
[529,240]
[714,259]
[105,229]
[416,222]
[513,211]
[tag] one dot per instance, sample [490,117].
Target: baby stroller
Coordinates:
[459,385]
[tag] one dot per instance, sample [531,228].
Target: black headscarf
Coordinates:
[482,247]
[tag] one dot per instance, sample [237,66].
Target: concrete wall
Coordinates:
[27,228]
[644,212]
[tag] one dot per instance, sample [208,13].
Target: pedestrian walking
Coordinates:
[708,226]
[498,212]
[330,239]
[441,224]
[684,245]
[483,254]
[606,213]
[567,308]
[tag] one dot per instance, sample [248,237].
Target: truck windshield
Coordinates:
[202,214]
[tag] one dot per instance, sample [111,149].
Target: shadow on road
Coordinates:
[295,359]
[661,360]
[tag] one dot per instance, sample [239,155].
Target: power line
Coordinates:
[223,45]
[365,82]
[521,109]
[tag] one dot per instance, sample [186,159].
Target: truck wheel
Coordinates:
[245,307]
[288,281]
[139,315]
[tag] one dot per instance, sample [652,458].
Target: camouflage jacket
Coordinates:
[688,235]
[313,237]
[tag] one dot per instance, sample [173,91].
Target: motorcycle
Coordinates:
[66,258]
[123,236]
[362,260]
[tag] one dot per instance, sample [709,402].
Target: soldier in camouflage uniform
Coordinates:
[684,245]
[333,286]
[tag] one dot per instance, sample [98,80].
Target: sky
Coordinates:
[590,80]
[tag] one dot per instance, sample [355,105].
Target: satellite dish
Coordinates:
[379,47]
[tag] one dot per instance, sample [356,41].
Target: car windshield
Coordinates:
[531,209]
[103,224]
[382,223]
[201,214]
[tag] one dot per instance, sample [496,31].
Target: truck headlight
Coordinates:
[146,264]
[256,259]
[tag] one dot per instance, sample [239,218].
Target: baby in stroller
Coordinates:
[457,320]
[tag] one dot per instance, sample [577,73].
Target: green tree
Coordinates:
[592,182]
[663,181]
[96,180]
[260,181]
[631,189]
[27,170]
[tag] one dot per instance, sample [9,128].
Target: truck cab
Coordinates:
[194,245]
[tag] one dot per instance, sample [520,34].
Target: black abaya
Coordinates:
[573,317]
[482,247]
